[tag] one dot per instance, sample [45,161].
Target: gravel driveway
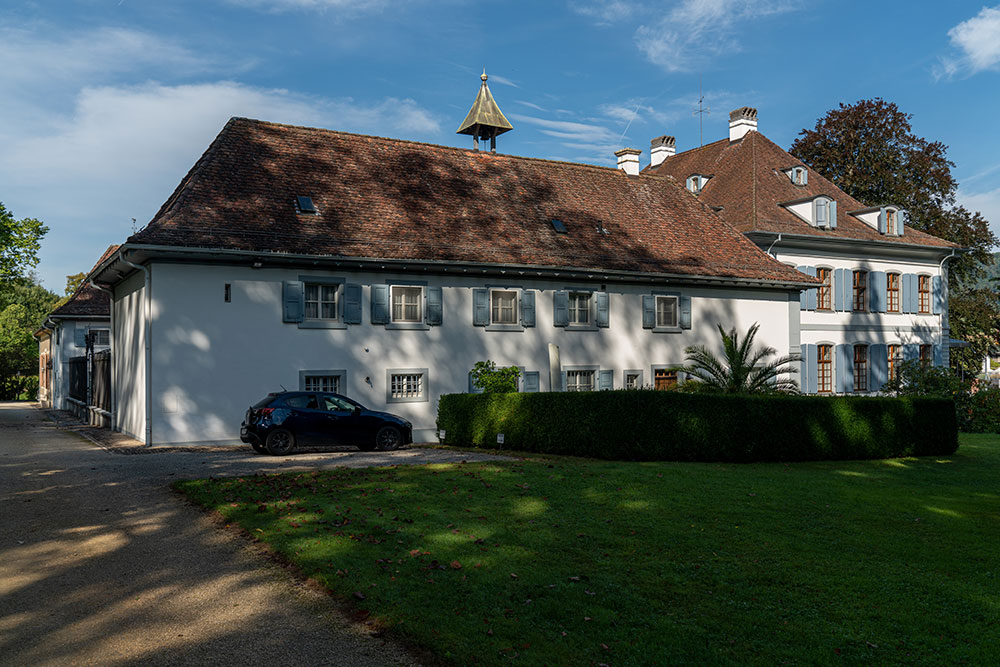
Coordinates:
[100,563]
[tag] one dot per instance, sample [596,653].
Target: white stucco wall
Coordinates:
[212,359]
[128,362]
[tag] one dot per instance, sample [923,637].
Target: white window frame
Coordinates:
[676,309]
[495,291]
[422,393]
[579,372]
[340,374]
[337,296]
[891,222]
[576,295]
[392,304]
[97,330]
[632,373]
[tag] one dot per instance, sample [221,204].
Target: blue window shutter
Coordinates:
[876,291]
[804,299]
[839,279]
[293,301]
[937,295]
[820,212]
[911,352]
[648,311]
[692,183]
[844,369]
[380,304]
[79,336]
[938,353]
[878,363]
[685,314]
[813,294]
[810,355]
[805,177]
[882,224]
[531,382]
[833,214]
[560,308]
[904,292]
[480,307]
[434,314]
[901,218]
[562,375]
[603,315]
[605,380]
[527,308]
[911,284]
[352,304]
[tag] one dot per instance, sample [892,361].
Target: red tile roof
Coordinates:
[749,184]
[392,199]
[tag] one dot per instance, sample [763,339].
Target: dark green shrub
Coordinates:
[493,380]
[653,425]
[980,412]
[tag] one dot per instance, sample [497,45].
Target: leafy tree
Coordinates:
[73,283]
[20,241]
[23,306]
[743,369]
[29,293]
[493,380]
[975,318]
[868,149]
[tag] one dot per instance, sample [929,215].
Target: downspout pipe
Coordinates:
[114,394]
[147,317]
[774,243]
[945,322]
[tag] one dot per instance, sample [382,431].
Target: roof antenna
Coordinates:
[133,225]
[700,112]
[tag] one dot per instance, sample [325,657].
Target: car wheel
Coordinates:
[280,442]
[259,448]
[387,438]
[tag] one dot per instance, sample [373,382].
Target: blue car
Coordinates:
[282,421]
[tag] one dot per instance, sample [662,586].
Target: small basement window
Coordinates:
[305,205]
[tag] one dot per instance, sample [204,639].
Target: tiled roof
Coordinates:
[88,301]
[391,199]
[749,184]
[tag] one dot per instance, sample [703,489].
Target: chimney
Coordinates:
[741,121]
[628,160]
[660,149]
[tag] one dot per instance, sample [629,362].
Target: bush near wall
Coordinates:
[671,426]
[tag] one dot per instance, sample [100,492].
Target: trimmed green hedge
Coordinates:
[672,426]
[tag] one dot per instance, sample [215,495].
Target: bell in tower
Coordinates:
[485,120]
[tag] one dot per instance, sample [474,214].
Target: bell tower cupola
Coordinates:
[485,120]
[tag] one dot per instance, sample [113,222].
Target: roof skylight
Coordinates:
[558,226]
[305,204]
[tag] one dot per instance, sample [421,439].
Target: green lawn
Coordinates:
[566,561]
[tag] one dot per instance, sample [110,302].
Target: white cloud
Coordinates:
[121,150]
[502,80]
[987,203]
[605,12]
[978,43]
[696,30]
[531,105]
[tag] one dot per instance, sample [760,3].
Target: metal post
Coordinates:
[89,339]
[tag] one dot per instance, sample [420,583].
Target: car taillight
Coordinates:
[265,411]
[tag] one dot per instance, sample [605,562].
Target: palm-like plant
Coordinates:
[743,369]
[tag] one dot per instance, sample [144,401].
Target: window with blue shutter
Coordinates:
[878,360]
[480,307]
[293,301]
[938,355]
[883,221]
[605,380]
[352,304]
[821,212]
[910,299]
[560,308]
[685,314]
[380,304]
[807,298]
[901,219]
[877,291]
[434,312]
[531,381]
[603,315]
[911,352]
[648,311]
[937,295]
[79,336]
[527,308]
[844,368]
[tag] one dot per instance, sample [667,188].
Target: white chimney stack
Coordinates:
[628,160]
[741,121]
[660,149]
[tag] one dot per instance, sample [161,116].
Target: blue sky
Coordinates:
[107,103]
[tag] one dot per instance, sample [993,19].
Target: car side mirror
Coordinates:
[357,410]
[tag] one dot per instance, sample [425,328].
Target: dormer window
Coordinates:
[798,175]
[695,182]
[824,213]
[891,221]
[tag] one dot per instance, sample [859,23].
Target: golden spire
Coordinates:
[485,118]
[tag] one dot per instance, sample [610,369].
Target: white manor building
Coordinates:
[384,269]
